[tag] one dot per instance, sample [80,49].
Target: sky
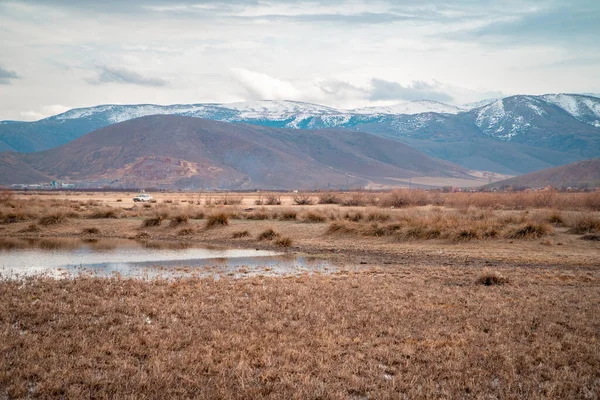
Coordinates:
[61,54]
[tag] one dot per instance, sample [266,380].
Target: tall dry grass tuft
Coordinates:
[268,234]
[313,217]
[216,220]
[104,213]
[492,278]
[153,221]
[283,242]
[178,220]
[530,231]
[54,218]
[584,224]
[240,234]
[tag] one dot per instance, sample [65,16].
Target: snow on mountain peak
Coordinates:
[411,108]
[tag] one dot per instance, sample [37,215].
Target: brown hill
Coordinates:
[175,152]
[582,174]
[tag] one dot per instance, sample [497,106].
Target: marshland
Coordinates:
[428,294]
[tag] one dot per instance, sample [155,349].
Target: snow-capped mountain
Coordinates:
[554,128]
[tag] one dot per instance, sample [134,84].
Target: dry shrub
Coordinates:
[229,200]
[376,216]
[186,231]
[283,242]
[31,228]
[341,228]
[313,217]
[329,198]
[258,215]
[273,200]
[240,234]
[104,213]
[405,197]
[142,236]
[492,278]
[288,215]
[584,224]
[268,234]
[593,238]
[6,196]
[153,221]
[180,219]
[216,220]
[54,218]
[354,216]
[13,217]
[530,231]
[302,200]
[355,200]
[90,231]
[555,218]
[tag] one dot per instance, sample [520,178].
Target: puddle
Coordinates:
[128,258]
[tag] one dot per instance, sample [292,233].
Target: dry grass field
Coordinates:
[458,295]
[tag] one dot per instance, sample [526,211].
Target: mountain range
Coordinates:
[169,151]
[512,135]
[582,174]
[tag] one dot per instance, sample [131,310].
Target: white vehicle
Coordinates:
[142,197]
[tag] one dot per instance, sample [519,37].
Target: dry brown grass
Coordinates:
[153,221]
[216,220]
[267,234]
[90,230]
[283,242]
[408,333]
[240,234]
[53,218]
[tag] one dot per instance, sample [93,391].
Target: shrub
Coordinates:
[288,215]
[302,200]
[240,234]
[329,198]
[186,231]
[530,231]
[154,221]
[104,213]
[313,216]
[273,200]
[215,220]
[585,224]
[268,234]
[555,218]
[52,219]
[31,228]
[491,278]
[179,220]
[283,242]
[6,196]
[13,217]
[354,200]
[90,231]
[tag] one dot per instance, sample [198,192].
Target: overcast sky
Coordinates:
[61,54]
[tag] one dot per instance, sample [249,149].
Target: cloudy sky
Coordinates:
[61,54]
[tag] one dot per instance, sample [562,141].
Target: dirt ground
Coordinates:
[498,317]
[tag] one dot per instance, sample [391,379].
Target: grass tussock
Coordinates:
[186,232]
[530,231]
[268,234]
[492,278]
[31,228]
[240,234]
[104,213]
[179,220]
[90,231]
[152,222]
[313,217]
[54,218]
[287,215]
[584,224]
[216,220]
[283,242]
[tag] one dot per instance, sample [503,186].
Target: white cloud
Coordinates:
[259,86]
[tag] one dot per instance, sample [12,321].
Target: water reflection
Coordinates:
[128,258]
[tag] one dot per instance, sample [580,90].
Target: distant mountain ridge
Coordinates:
[513,135]
[168,151]
[582,174]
